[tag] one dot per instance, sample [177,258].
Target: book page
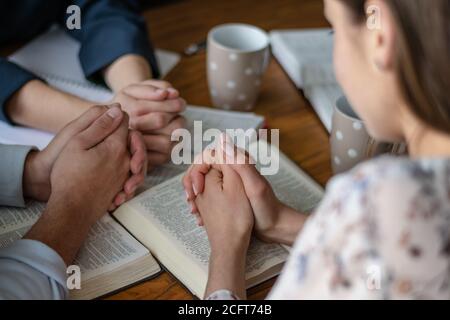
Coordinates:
[221,119]
[211,119]
[107,247]
[291,185]
[165,207]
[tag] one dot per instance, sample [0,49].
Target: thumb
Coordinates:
[101,128]
[78,125]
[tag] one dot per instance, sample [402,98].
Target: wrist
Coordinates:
[70,206]
[230,250]
[61,228]
[127,70]
[36,183]
[227,271]
[285,227]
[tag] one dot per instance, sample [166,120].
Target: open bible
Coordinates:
[160,218]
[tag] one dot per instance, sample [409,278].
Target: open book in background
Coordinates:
[160,219]
[307,57]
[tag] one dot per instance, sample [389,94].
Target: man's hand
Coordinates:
[86,176]
[39,165]
[154,108]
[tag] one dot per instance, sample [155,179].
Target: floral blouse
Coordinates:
[381,232]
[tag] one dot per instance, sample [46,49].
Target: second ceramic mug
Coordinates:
[238,56]
[350,142]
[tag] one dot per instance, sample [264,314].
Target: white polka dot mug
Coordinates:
[350,142]
[237,58]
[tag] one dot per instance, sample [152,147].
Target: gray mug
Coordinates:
[237,58]
[350,142]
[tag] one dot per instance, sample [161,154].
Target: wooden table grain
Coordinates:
[302,137]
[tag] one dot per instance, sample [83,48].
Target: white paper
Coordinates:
[55,54]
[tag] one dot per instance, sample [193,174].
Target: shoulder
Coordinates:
[385,177]
[402,208]
[381,231]
[392,192]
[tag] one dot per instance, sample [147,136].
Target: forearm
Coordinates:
[227,271]
[57,229]
[128,69]
[39,106]
[287,227]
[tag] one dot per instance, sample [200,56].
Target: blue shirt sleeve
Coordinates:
[12,164]
[109,30]
[12,79]
[31,270]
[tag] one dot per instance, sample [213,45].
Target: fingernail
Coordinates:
[187,195]
[114,112]
[172,90]
[192,208]
[160,90]
[195,190]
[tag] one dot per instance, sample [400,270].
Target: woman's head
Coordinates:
[391,59]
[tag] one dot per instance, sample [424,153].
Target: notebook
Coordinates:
[307,57]
[54,57]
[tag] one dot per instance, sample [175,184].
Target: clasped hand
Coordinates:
[154,108]
[95,160]
[222,192]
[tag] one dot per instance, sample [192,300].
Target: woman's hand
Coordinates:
[274,221]
[154,108]
[228,220]
[39,165]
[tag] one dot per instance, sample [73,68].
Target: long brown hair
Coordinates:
[423,54]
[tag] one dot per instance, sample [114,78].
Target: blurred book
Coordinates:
[307,57]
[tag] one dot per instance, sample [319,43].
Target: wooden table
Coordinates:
[302,136]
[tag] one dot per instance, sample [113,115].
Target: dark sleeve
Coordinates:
[12,79]
[109,30]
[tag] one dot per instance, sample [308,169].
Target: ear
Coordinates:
[381,27]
